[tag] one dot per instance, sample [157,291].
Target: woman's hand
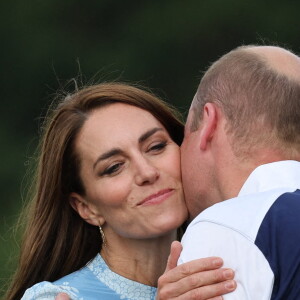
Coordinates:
[62,296]
[198,279]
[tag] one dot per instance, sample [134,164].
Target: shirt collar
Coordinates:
[280,174]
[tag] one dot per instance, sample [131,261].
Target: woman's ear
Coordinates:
[209,124]
[85,210]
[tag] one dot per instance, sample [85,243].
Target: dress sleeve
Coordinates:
[253,274]
[48,291]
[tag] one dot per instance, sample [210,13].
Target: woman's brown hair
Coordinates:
[57,241]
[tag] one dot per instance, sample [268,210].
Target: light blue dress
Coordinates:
[94,281]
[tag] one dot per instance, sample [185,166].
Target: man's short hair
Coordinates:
[261,105]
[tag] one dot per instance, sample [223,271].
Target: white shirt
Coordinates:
[257,234]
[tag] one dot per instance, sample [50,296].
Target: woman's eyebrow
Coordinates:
[148,133]
[106,155]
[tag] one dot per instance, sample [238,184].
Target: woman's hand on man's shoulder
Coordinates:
[198,279]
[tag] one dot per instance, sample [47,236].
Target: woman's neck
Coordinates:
[139,260]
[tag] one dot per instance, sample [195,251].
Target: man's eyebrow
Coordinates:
[117,151]
[106,155]
[148,133]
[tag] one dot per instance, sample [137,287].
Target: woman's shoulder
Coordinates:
[81,284]
[48,291]
[94,281]
[70,284]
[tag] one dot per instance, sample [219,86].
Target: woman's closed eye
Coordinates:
[157,147]
[112,169]
[115,168]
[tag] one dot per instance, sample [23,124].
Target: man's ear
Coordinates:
[85,210]
[208,124]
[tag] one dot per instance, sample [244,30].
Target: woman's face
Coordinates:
[130,168]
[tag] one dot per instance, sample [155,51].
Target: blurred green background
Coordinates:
[162,44]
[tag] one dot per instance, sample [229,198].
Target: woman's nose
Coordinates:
[146,172]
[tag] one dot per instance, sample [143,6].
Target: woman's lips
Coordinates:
[157,197]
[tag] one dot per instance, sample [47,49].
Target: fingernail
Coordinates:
[228,274]
[218,262]
[230,285]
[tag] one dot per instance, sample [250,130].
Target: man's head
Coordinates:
[246,112]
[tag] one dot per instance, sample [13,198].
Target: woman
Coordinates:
[108,182]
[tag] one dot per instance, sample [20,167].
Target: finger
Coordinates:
[210,291]
[192,267]
[62,296]
[175,251]
[192,282]
[204,278]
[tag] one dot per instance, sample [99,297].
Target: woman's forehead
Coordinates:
[114,125]
[119,116]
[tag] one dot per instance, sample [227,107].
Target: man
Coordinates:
[242,143]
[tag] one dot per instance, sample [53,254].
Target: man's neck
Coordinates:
[238,172]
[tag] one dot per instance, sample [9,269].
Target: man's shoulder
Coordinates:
[243,213]
[282,220]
